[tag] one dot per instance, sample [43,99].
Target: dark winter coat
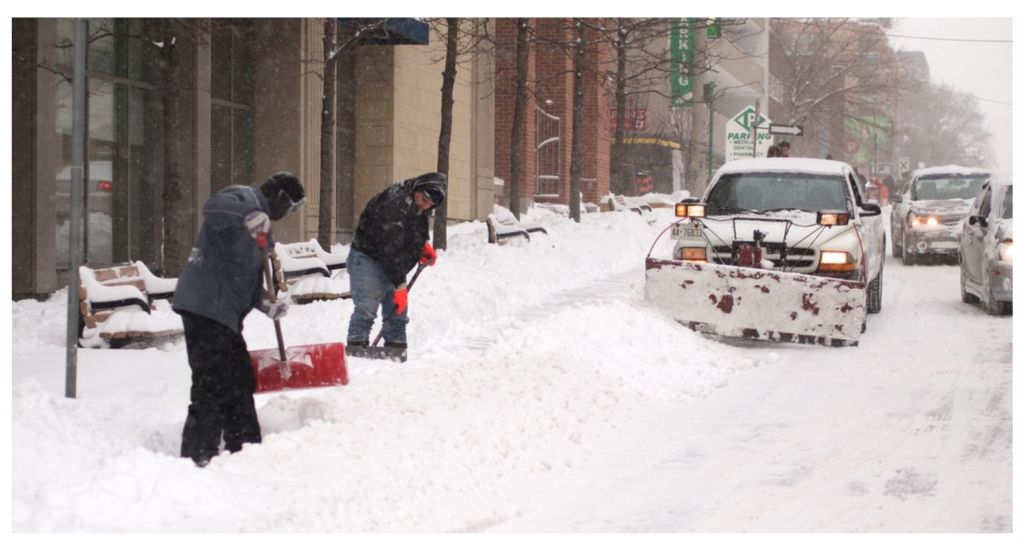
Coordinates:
[392,231]
[223,278]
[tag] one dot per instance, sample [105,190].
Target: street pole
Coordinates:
[78,152]
[756,121]
[708,95]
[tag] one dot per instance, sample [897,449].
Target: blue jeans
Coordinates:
[370,288]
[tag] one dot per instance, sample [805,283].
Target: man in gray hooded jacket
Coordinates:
[219,286]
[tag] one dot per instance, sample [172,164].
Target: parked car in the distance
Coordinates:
[927,215]
[987,249]
[100,186]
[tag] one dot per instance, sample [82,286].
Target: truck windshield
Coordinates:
[764,191]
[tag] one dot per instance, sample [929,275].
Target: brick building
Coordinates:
[546,155]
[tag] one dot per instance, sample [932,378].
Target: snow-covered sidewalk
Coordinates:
[464,435]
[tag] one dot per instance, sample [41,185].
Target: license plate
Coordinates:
[687,230]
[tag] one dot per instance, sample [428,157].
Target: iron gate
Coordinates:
[547,154]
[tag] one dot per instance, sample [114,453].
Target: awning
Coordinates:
[393,31]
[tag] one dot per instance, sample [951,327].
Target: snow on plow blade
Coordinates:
[752,303]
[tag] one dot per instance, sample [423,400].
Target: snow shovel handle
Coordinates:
[410,286]
[272,298]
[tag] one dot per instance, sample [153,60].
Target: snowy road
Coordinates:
[910,431]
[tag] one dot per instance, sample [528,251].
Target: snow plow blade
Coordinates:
[732,301]
[307,366]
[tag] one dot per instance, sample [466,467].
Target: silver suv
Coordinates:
[927,215]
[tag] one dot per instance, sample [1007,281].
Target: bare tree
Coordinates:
[518,126]
[641,67]
[956,134]
[578,104]
[446,124]
[177,228]
[327,129]
[831,69]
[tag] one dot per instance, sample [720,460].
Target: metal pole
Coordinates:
[78,152]
[708,94]
[756,121]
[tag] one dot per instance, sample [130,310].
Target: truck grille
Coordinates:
[783,258]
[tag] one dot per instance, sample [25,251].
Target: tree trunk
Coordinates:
[518,127]
[620,182]
[446,126]
[327,130]
[177,212]
[578,104]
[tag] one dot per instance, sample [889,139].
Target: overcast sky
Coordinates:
[975,56]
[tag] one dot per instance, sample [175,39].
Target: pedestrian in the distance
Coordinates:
[391,237]
[773,151]
[219,286]
[784,148]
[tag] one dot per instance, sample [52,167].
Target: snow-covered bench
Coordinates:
[311,273]
[502,225]
[618,203]
[123,304]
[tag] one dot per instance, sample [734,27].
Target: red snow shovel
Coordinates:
[307,366]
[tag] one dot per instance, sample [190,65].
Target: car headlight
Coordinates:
[923,221]
[834,261]
[1005,250]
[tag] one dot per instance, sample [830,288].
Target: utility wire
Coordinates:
[891,35]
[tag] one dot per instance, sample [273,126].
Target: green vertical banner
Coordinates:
[683,45]
[713,28]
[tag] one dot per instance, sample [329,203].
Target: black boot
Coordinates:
[396,351]
[357,349]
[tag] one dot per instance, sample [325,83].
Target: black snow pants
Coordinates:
[221,398]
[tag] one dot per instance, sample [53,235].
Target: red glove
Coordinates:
[400,299]
[428,255]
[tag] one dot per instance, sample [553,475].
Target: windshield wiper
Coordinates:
[714,211]
[787,208]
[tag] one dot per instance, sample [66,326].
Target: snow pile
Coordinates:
[523,361]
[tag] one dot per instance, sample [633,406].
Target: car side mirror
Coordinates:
[983,221]
[971,220]
[870,209]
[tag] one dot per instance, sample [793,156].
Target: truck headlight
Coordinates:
[693,253]
[1005,250]
[833,261]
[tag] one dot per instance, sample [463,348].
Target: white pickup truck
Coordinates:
[783,249]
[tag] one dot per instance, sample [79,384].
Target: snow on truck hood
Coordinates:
[949,169]
[946,207]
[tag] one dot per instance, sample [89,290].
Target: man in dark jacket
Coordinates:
[391,237]
[219,286]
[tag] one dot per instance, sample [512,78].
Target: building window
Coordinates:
[232,98]
[119,197]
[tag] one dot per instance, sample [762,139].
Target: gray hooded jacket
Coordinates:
[223,279]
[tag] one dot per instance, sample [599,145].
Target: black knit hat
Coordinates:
[432,184]
[284,193]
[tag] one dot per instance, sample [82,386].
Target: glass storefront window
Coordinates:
[119,189]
